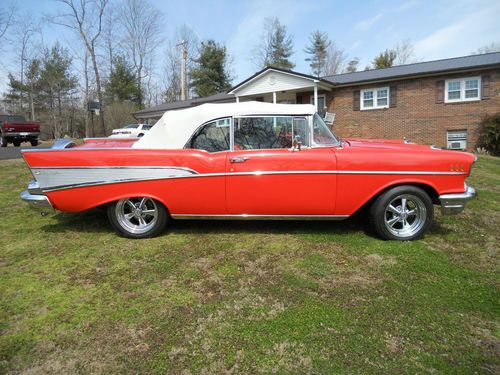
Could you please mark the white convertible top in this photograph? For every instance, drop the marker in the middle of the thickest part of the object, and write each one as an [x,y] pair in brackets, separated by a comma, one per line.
[174,128]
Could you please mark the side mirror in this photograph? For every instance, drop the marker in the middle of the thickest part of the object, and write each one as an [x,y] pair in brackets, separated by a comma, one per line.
[297,143]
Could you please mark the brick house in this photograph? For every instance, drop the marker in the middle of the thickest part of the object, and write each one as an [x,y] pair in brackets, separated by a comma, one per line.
[437,102]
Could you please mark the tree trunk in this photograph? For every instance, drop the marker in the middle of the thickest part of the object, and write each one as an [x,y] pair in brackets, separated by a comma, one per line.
[102,128]
[89,131]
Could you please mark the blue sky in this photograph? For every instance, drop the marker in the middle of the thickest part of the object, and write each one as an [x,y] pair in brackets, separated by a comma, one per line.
[438,29]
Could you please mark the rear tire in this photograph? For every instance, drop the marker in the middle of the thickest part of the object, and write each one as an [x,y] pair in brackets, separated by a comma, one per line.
[140,135]
[139,217]
[16,143]
[403,213]
[34,142]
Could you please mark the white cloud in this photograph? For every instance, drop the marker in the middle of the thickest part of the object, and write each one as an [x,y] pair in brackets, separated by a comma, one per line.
[470,32]
[366,24]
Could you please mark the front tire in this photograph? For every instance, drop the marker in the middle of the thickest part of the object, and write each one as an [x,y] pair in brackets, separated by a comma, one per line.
[402,213]
[16,143]
[139,217]
[34,142]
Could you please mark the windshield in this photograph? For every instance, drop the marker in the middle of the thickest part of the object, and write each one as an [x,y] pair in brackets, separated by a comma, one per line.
[322,135]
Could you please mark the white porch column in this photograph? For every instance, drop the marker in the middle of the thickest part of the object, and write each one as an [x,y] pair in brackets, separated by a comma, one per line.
[274,97]
[237,99]
[316,95]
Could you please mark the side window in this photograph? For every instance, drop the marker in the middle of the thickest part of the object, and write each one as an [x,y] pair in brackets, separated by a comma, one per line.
[146,127]
[252,133]
[212,137]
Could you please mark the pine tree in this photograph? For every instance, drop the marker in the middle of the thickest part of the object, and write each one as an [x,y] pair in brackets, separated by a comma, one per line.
[122,84]
[384,59]
[57,84]
[210,75]
[318,49]
[352,66]
[276,46]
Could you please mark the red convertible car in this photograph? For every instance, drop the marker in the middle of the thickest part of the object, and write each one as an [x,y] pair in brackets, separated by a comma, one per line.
[249,160]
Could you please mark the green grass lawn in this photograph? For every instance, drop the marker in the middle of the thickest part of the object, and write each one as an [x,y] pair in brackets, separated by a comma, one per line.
[248,297]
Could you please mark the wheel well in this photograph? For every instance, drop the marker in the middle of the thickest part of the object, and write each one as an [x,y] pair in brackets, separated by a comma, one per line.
[431,192]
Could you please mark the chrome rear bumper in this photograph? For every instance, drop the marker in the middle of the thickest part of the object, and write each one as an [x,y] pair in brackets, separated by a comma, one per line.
[36,199]
[452,204]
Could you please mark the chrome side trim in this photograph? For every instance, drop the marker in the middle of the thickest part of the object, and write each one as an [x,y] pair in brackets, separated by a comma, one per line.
[62,143]
[50,179]
[77,149]
[452,204]
[34,188]
[430,173]
[38,202]
[258,217]
[59,178]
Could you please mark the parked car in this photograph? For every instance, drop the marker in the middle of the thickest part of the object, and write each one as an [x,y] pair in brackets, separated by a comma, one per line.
[15,129]
[250,161]
[131,131]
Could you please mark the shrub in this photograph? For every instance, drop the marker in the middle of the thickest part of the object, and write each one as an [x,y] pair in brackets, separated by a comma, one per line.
[489,138]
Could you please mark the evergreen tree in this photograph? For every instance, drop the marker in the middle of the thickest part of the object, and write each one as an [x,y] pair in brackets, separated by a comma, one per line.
[57,85]
[210,75]
[352,66]
[384,59]
[122,83]
[318,49]
[278,46]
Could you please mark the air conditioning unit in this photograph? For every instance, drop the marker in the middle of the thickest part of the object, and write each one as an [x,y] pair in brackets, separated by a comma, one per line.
[457,145]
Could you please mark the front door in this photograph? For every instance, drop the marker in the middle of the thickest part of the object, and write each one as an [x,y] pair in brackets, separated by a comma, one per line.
[266,175]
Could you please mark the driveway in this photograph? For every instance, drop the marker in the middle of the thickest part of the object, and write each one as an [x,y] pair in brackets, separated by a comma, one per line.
[12,152]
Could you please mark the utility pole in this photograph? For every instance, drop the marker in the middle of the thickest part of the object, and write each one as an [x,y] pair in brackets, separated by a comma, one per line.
[183,68]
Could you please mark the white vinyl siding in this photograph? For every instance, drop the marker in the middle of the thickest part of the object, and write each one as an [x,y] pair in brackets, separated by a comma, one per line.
[463,90]
[374,98]
[273,81]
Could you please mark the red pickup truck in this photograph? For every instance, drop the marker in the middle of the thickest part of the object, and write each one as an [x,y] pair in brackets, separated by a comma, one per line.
[15,129]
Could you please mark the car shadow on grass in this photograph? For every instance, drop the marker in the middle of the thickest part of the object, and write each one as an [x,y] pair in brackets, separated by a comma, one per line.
[95,221]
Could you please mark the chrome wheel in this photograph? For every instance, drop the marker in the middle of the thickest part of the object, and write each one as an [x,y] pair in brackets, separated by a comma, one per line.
[137,215]
[405,215]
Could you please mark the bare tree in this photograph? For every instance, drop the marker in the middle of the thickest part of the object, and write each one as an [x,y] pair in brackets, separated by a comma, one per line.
[24,30]
[6,19]
[110,30]
[86,18]
[492,47]
[335,60]
[141,23]
[405,53]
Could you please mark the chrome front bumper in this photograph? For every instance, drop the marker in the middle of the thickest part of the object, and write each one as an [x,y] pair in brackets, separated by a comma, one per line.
[452,204]
[36,199]
[21,134]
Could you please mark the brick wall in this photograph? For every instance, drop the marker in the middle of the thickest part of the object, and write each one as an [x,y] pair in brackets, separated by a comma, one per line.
[416,116]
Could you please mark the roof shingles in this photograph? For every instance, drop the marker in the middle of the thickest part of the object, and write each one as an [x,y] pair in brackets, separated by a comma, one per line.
[422,68]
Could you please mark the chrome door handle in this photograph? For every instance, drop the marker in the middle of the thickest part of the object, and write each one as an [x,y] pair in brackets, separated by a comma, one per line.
[238,160]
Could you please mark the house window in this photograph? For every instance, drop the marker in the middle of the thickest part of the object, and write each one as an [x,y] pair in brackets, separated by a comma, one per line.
[456,139]
[375,98]
[463,90]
